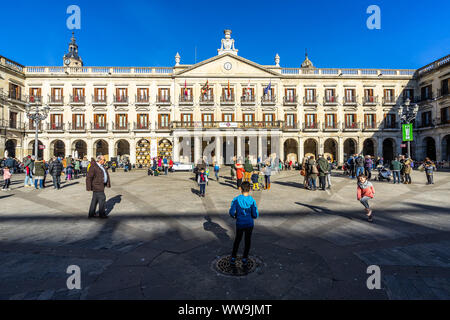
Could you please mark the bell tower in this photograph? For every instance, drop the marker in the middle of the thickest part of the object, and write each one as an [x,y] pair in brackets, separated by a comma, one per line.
[71,58]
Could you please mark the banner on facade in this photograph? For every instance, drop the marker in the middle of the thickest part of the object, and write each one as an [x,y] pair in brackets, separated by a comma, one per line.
[153,148]
[228,125]
[407,131]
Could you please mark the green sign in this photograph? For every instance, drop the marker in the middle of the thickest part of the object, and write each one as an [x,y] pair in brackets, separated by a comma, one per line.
[407,131]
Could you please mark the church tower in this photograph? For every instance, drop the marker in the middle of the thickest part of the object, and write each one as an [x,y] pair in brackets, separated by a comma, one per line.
[71,58]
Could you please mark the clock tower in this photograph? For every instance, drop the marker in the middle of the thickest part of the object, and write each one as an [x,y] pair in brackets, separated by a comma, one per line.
[71,58]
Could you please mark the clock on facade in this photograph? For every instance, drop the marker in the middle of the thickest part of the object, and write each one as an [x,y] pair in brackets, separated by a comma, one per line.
[67,61]
[227,65]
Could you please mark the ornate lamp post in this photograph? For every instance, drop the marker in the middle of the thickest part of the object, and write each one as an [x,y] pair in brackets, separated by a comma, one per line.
[37,115]
[407,115]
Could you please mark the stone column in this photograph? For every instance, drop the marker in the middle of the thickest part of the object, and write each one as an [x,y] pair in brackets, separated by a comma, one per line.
[398,143]
[218,149]
[300,148]
[360,146]
[111,149]
[90,149]
[197,148]
[3,146]
[321,146]
[133,151]
[340,151]
[68,148]
[176,149]
[437,141]
[281,148]
[239,148]
[380,147]
[260,148]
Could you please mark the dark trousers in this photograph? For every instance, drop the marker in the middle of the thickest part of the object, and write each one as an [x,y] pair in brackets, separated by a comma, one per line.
[7,183]
[98,197]
[322,182]
[248,237]
[396,174]
[430,178]
[368,173]
[202,188]
[56,182]
[407,178]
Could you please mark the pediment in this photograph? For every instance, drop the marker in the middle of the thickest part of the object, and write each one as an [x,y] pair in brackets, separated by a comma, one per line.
[216,67]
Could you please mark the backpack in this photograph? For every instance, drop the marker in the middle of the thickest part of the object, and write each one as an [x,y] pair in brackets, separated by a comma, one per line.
[202,177]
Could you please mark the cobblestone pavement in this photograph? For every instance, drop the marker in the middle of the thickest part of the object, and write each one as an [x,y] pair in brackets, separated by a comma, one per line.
[161,238]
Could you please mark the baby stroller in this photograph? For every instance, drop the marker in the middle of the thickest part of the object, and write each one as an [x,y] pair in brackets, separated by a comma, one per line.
[384,174]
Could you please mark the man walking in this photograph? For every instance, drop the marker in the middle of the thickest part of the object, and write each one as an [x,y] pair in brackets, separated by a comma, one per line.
[55,169]
[396,167]
[323,171]
[97,179]
[359,163]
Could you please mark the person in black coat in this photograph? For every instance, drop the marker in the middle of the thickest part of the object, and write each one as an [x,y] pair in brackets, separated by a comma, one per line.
[55,169]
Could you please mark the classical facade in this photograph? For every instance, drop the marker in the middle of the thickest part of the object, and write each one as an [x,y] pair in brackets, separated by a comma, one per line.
[222,107]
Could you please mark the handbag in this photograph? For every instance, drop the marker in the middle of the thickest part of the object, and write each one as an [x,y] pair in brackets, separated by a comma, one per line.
[303,172]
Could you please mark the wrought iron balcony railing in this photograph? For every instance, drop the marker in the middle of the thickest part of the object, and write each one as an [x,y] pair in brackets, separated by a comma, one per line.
[77,99]
[56,100]
[99,100]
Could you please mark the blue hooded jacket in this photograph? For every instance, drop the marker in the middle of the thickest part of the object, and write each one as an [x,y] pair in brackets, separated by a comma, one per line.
[244,210]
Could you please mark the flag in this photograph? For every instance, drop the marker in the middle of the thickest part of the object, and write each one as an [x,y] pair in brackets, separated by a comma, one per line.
[228,90]
[205,88]
[248,88]
[185,88]
[267,89]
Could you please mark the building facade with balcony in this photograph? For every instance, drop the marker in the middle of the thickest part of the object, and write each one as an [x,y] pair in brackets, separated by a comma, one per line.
[432,124]
[224,106]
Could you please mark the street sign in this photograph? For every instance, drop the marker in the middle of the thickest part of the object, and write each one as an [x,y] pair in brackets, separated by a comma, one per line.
[41,147]
[407,132]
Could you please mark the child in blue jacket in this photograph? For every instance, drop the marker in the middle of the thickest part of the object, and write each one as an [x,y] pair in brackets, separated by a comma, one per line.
[243,209]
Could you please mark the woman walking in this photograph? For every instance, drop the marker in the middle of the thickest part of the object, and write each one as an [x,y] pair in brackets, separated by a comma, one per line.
[364,192]
[429,167]
[267,174]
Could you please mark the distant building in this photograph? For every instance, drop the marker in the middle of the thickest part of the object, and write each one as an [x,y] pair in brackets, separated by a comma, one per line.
[225,106]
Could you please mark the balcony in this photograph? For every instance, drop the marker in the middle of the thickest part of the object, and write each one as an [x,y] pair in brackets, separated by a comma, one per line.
[56,100]
[17,97]
[444,122]
[393,126]
[290,100]
[186,100]
[35,100]
[120,127]
[442,93]
[227,125]
[12,125]
[248,100]
[370,126]
[291,126]
[351,126]
[310,101]
[308,127]
[261,125]
[389,101]
[77,127]
[120,100]
[32,128]
[55,127]
[206,100]
[268,100]
[99,127]
[163,100]
[370,100]
[141,127]
[77,100]
[142,100]
[330,127]
[426,125]
[227,100]
[330,101]
[350,100]
[164,126]
[99,100]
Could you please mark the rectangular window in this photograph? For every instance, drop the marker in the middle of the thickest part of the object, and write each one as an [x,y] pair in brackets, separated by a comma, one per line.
[186,118]
[100,121]
[78,121]
[248,117]
[310,95]
[57,94]
[445,115]
[78,94]
[445,87]
[207,118]
[228,117]
[164,121]
[408,94]
[426,119]
[350,95]
[310,121]
[13,119]
[142,120]
[56,121]
[350,120]
[329,95]
[426,92]
[369,120]
[390,121]
[142,94]
[330,120]
[291,120]
[100,94]
[268,117]
[121,121]
[164,94]
[15,91]
[289,95]
[248,94]
[35,94]
[228,95]
[389,95]
[121,94]
[368,96]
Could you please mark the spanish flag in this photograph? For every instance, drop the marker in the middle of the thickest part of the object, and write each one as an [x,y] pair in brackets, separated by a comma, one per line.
[185,89]
[228,90]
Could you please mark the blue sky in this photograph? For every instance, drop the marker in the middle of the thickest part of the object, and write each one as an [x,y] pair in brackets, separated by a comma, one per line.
[149,33]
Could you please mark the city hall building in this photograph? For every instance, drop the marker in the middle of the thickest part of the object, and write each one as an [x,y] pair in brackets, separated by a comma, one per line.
[225,106]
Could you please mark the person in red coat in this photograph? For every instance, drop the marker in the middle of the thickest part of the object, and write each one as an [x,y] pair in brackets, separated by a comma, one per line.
[365,192]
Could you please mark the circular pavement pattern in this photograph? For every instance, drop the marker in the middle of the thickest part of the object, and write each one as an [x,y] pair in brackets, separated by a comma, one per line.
[222,265]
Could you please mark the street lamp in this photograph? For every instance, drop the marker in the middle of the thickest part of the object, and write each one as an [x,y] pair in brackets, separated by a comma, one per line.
[37,115]
[408,114]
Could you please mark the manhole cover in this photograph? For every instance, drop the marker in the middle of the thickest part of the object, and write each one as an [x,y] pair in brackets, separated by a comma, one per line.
[223,266]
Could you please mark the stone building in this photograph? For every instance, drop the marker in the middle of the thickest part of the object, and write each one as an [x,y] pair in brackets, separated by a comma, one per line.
[222,107]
